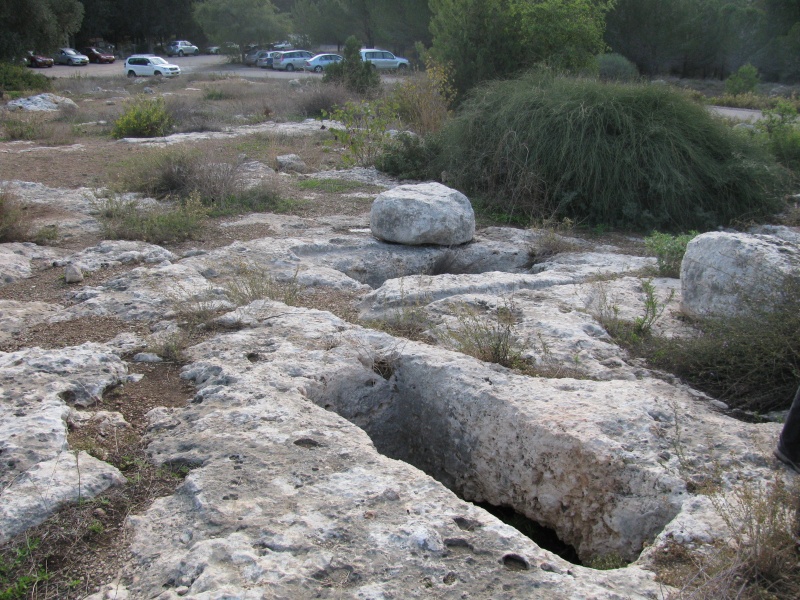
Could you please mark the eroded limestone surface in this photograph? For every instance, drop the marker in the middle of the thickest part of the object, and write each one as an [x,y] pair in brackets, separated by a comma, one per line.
[332,460]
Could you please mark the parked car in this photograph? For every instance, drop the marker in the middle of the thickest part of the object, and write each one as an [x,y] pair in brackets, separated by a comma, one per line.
[252,58]
[226,48]
[383,60]
[321,62]
[38,61]
[282,46]
[147,65]
[96,55]
[181,48]
[291,60]
[265,62]
[70,56]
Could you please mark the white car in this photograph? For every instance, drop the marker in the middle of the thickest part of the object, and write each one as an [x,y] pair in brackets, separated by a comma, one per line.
[383,60]
[291,60]
[147,65]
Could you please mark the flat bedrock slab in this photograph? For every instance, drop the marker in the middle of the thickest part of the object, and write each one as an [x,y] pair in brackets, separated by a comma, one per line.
[425,213]
[47,486]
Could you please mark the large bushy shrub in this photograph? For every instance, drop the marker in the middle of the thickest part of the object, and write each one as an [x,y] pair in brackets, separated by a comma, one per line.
[632,156]
[615,67]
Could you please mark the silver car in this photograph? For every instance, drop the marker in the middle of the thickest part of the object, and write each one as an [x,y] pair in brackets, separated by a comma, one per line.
[384,60]
[70,56]
[181,48]
[291,60]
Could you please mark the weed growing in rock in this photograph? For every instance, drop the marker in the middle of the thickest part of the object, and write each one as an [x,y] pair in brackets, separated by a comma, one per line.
[251,283]
[489,337]
[143,117]
[631,333]
[669,250]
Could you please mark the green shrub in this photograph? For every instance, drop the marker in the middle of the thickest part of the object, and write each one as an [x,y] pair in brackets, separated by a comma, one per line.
[405,156]
[615,67]
[365,129]
[129,221]
[143,117]
[356,75]
[783,129]
[743,81]
[669,250]
[630,156]
[19,78]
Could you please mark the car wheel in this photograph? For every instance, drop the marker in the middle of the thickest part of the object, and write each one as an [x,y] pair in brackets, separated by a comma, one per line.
[180,52]
[131,74]
[402,68]
[157,74]
[290,67]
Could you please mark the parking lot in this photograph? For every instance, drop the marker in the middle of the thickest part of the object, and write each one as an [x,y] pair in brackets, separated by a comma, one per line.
[189,64]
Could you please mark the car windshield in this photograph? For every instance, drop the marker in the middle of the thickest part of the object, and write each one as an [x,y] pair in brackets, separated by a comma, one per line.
[70,52]
[156,60]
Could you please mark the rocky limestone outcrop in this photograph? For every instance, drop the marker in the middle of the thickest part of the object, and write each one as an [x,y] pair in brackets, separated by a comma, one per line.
[424,213]
[725,273]
[329,459]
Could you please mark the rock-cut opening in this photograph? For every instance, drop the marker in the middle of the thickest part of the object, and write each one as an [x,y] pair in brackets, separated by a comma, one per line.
[486,445]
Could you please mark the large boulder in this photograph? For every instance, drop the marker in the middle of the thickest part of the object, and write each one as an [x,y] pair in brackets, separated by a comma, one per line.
[425,213]
[729,273]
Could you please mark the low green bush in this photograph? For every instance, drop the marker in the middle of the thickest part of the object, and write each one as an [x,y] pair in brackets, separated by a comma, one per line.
[640,157]
[615,67]
[669,250]
[19,78]
[743,81]
[365,129]
[405,156]
[143,117]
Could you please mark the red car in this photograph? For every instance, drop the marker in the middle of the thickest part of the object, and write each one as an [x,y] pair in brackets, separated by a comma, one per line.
[98,56]
[38,60]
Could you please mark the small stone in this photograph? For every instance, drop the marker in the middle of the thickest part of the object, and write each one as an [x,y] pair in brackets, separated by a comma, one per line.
[73,274]
[147,357]
[182,591]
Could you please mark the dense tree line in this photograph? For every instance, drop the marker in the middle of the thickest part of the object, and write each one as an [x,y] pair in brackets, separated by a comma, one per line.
[485,39]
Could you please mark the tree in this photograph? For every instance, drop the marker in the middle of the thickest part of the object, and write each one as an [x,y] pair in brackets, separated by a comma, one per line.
[241,21]
[490,39]
[475,38]
[37,25]
[563,33]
